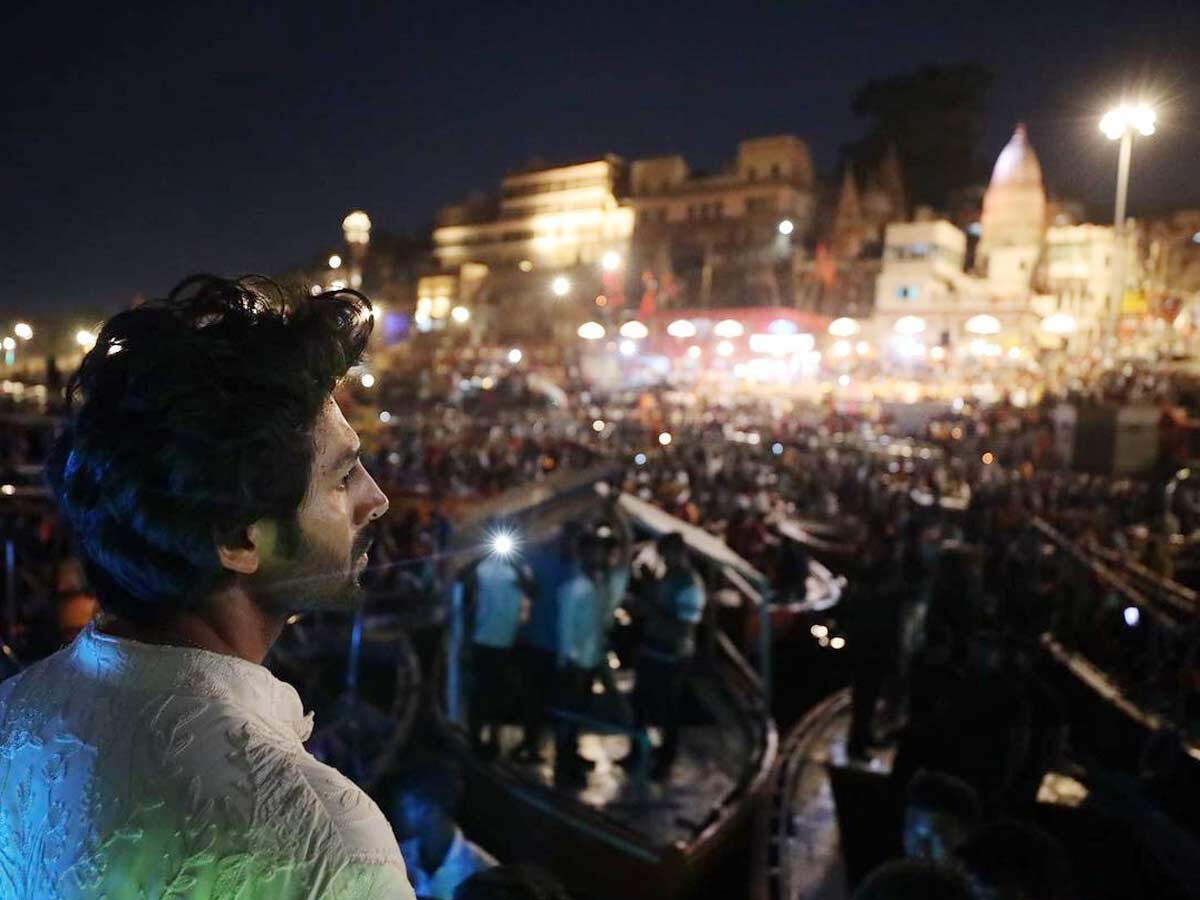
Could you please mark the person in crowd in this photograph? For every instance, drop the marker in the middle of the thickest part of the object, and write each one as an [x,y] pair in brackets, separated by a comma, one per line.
[215,490]
[914,879]
[1014,860]
[501,585]
[940,813]
[552,564]
[579,654]
[675,609]
[421,798]
[517,882]
[873,626]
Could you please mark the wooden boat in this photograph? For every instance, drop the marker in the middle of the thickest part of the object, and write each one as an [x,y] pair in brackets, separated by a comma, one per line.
[616,837]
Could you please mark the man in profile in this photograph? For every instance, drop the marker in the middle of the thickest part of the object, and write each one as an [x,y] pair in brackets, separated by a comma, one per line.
[215,489]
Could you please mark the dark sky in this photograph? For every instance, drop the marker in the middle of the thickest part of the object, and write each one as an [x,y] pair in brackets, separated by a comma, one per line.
[144,142]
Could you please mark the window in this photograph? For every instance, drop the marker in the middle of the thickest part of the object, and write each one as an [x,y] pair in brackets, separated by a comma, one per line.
[908,291]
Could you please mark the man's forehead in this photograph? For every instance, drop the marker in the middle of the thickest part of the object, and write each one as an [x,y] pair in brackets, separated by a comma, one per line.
[334,436]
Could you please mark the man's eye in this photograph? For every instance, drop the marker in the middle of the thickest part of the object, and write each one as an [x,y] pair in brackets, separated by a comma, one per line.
[346,478]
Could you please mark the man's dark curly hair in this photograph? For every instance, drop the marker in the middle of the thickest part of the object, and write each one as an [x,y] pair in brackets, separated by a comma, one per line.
[191,418]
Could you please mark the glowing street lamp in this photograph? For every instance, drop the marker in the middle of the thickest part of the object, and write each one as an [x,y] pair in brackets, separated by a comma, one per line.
[461,315]
[729,328]
[786,227]
[983,324]
[335,261]
[1119,124]
[561,286]
[23,331]
[843,328]
[681,328]
[85,339]
[610,261]
[9,343]
[909,325]
[591,331]
[515,356]
[1059,323]
[634,330]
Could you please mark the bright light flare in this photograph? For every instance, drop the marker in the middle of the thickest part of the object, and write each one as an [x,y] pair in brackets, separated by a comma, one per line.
[561,286]
[693,352]
[503,544]
[85,339]
[23,331]
[9,343]
[461,315]
[725,348]
[1128,117]
[842,348]
[367,380]
[610,261]
[335,261]
[515,356]
[786,227]
[1132,616]
[665,438]
[598,426]
[640,459]
[627,348]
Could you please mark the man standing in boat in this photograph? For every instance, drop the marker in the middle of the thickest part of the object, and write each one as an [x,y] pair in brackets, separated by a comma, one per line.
[676,606]
[215,490]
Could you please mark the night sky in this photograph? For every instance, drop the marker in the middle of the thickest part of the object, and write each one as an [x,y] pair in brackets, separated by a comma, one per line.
[144,142]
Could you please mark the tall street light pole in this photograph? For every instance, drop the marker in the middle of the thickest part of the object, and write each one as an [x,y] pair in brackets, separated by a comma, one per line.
[1120,124]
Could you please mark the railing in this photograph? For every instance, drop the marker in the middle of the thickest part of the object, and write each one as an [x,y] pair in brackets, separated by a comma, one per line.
[1130,633]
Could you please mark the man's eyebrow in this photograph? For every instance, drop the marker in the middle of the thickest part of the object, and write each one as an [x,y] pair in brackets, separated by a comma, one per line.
[348,457]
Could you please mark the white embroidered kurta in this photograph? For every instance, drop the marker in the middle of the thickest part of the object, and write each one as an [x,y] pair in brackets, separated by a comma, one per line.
[129,770]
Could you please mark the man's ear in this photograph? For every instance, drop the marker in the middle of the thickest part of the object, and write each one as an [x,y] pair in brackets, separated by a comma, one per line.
[241,551]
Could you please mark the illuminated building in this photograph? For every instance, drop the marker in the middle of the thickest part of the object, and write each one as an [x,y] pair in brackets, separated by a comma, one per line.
[1077,268]
[726,239]
[555,238]
[553,217]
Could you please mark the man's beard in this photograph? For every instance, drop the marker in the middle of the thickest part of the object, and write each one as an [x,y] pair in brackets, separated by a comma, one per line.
[306,577]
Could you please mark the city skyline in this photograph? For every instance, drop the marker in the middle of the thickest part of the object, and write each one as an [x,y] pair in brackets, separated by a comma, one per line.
[167,142]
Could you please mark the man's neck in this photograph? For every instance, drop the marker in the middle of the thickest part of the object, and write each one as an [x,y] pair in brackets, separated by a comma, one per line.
[229,623]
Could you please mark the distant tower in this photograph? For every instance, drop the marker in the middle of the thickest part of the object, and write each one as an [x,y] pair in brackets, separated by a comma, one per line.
[1014,210]
[847,235]
[883,200]
[891,182]
[356,228]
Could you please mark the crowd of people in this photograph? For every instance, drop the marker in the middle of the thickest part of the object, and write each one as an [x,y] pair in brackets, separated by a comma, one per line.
[948,591]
